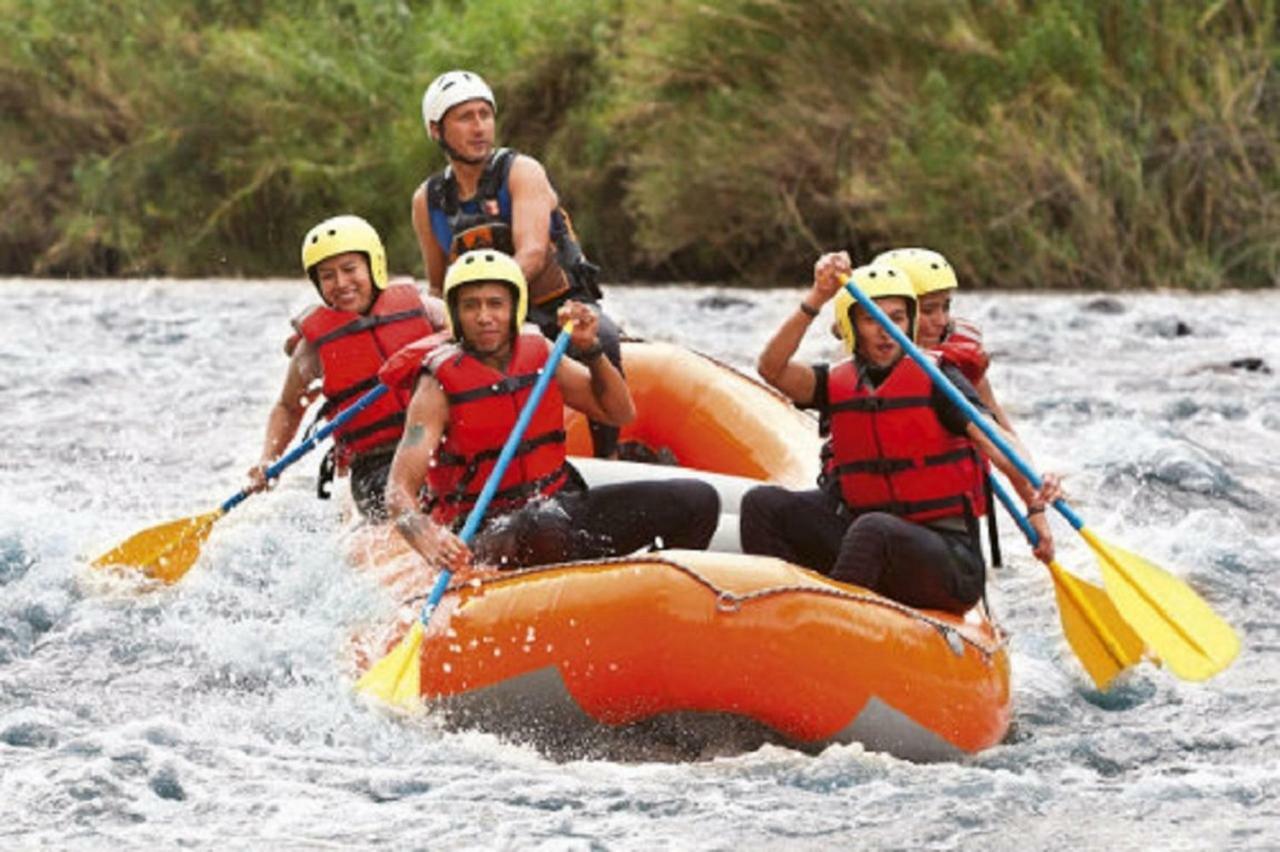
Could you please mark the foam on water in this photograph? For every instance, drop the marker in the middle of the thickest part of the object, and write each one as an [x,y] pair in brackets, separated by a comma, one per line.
[221,709]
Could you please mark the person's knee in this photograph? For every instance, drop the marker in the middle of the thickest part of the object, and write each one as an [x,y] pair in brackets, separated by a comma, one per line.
[758,522]
[875,525]
[864,553]
[759,503]
[535,535]
[704,504]
[696,509]
[968,575]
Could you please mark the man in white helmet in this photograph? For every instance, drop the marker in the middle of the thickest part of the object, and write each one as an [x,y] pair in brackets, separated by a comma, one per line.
[491,197]
[467,396]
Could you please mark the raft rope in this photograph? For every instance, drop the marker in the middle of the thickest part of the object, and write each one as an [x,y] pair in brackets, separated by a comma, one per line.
[730,602]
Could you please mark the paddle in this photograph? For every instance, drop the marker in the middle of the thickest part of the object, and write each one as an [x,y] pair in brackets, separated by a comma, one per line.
[396,678]
[167,551]
[1171,618]
[1103,642]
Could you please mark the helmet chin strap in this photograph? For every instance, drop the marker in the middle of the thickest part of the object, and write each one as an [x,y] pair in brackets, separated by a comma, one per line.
[454,155]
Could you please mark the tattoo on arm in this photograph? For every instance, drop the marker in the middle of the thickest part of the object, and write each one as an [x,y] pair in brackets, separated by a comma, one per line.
[413,435]
[412,524]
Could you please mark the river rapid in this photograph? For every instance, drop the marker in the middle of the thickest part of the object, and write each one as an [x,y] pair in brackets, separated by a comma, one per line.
[220,711]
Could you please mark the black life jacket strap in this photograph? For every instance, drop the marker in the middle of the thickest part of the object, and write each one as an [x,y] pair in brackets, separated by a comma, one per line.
[509,385]
[365,323]
[324,480]
[524,489]
[993,533]
[494,176]
[447,459]
[358,389]
[888,466]
[442,188]
[387,422]
[872,404]
[911,507]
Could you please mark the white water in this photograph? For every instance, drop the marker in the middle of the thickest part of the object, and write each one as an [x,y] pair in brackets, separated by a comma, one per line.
[221,711]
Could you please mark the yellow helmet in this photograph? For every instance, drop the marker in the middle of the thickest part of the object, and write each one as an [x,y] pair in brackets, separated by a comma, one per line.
[928,270]
[878,280]
[484,266]
[343,234]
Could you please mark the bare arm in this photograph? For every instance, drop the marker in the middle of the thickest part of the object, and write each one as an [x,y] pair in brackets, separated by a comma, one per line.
[1035,500]
[425,421]
[532,201]
[988,397]
[433,259]
[776,364]
[287,412]
[598,390]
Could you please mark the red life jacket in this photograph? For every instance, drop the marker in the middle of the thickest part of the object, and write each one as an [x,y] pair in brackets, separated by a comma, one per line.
[402,369]
[352,349]
[483,407]
[890,453]
[963,347]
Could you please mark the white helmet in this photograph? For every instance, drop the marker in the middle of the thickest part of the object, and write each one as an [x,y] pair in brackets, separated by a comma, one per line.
[450,89]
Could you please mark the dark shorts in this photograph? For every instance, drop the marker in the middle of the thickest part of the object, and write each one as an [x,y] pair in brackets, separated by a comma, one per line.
[611,520]
[912,563]
[369,484]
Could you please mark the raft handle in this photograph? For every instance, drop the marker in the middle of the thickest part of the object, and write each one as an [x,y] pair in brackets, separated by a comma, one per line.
[727,601]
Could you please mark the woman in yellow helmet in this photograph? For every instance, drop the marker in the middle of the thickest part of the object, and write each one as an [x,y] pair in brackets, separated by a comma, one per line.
[362,321]
[896,505]
[956,341]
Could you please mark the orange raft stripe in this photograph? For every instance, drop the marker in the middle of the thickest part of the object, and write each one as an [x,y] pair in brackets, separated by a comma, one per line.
[712,417]
[637,638]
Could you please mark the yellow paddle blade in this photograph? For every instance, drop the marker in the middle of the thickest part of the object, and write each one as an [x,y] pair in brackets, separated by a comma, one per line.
[396,679]
[164,552]
[1103,642]
[1188,636]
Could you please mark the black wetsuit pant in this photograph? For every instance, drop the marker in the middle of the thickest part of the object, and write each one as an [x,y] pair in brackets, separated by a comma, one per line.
[915,564]
[369,484]
[611,520]
[604,438]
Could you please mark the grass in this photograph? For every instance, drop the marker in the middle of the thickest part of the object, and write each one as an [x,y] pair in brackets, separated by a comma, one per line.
[1107,144]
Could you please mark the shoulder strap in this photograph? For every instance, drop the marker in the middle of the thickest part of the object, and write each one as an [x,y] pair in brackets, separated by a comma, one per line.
[495,174]
[442,191]
[365,323]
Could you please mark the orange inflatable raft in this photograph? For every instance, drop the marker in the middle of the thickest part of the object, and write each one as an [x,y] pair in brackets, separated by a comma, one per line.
[689,646]
[702,414]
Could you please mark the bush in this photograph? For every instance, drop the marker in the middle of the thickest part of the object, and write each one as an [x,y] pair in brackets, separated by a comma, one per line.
[1051,144]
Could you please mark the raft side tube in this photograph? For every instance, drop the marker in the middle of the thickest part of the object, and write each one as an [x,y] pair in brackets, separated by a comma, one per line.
[814,660]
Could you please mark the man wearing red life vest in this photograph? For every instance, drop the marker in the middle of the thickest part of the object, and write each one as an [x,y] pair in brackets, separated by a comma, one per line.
[467,396]
[896,506]
[498,198]
[344,342]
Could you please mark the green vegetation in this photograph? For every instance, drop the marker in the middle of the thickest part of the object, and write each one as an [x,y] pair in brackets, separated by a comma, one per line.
[1064,143]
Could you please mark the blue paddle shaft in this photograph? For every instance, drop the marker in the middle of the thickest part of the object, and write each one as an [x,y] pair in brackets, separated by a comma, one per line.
[499,468]
[1006,499]
[308,445]
[970,410]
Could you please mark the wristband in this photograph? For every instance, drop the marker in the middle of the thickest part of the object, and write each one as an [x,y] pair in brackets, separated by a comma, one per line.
[809,310]
[1035,510]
